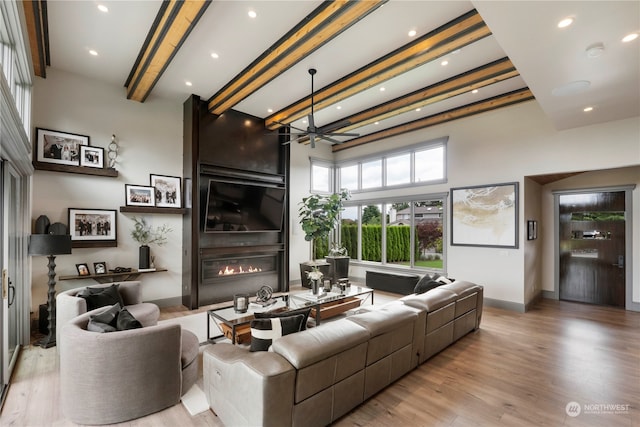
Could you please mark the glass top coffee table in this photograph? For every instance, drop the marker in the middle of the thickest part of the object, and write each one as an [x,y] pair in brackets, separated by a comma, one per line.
[235,326]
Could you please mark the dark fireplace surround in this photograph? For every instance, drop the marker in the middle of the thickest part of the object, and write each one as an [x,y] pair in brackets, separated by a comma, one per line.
[232,148]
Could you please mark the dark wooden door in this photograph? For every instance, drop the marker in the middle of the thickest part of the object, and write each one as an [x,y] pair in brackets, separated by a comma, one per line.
[592,248]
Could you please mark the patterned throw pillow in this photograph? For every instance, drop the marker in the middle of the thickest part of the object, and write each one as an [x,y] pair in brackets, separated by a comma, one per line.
[265,331]
[269,314]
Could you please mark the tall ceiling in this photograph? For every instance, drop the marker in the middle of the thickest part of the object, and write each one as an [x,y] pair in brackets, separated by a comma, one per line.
[372,77]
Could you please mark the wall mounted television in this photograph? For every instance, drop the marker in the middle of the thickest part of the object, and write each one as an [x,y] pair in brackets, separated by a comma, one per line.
[238,206]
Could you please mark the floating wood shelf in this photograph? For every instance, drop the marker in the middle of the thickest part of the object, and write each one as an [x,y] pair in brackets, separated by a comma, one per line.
[152,210]
[112,277]
[109,172]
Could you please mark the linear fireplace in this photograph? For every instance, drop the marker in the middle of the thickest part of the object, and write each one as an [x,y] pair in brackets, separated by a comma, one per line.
[235,231]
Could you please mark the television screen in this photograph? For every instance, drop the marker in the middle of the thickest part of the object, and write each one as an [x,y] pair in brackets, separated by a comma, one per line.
[243,207]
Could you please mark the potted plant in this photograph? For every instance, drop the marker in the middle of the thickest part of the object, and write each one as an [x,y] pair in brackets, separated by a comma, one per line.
[145,235]
[319,216]
[338,260]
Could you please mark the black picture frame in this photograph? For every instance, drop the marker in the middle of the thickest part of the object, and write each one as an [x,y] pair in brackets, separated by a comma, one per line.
[83,269]
[168,190]
[92,228]
[61,148]
[532,230]
[485,215]
[139,195]
[92,157]
[100,267]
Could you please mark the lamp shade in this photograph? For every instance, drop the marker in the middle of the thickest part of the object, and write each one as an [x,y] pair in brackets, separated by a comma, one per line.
[49,244]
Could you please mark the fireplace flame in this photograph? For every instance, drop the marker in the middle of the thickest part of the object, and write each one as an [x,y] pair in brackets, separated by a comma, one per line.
[240,270]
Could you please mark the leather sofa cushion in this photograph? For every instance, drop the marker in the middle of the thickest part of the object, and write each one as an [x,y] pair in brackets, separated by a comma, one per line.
[462,288]
[308,347]
[432,300]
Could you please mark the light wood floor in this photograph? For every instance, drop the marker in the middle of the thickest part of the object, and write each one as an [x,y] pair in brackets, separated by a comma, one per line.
[517,370]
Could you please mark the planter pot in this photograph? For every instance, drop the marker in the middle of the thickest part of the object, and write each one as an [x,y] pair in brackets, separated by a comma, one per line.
[339,267]
[144,256]
[323,266]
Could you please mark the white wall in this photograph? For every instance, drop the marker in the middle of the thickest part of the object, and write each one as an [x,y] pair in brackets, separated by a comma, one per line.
[150,139]
[499,146]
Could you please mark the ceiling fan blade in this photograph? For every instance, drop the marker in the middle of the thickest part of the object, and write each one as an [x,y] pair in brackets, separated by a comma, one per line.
[338,134]
[330,140]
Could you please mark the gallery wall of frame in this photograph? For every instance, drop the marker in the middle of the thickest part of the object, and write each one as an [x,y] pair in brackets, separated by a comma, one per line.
[69,152]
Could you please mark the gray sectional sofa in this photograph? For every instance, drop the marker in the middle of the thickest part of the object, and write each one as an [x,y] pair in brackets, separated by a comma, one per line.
[314,377]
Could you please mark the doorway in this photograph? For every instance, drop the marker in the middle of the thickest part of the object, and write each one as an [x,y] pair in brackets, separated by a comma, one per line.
[592,247]
[12,294]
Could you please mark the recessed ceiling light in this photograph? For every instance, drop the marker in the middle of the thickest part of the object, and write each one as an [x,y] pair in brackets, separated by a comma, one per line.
[382,89]
[304,121]
[103,8]
[376,123]
[418,109]
[252,14]
[445,62]
[474,91]
[587,109]
[571,88]
[269,110]
[188,83]
[215,55]
[339,107]
[565,22]
[93,52]
[412,33]
[630,37]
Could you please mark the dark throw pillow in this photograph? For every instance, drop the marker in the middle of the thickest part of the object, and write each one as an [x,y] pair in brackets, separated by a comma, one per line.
[426,284]
[265,331]
[105,321]
[127,321]
[269,315]
[100,297]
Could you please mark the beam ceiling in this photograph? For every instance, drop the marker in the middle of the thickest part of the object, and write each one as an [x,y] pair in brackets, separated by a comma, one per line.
[172,26]
[453,35]
[322,25]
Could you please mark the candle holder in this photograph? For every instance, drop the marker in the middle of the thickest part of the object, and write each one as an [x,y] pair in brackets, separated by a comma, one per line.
[240,303]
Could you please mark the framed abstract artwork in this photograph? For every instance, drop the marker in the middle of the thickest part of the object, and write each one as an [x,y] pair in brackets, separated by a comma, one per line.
[485,215]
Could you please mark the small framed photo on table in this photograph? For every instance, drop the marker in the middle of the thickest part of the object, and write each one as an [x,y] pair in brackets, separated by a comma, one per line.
[100,267]
[83,269]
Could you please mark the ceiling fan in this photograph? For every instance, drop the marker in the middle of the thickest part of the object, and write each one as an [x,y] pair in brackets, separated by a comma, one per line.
[314,132]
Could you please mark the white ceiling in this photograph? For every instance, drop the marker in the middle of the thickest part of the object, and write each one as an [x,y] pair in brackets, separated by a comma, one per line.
[525,31]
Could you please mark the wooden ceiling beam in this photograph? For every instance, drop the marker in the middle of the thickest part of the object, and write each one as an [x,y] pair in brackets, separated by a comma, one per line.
[496,102]
[486,75]
[172,26]
[454,35]
[323,24]
[35,13]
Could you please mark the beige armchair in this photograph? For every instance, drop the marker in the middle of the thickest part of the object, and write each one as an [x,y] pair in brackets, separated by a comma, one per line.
[69,305]
[112,377]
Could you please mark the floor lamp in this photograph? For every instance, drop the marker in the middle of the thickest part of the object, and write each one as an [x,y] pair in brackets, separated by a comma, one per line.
[50,245]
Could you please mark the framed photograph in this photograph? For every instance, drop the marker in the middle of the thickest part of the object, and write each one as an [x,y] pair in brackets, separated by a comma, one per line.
[139,195]
[485,215]
[62,148]
[92,227]
[532,230]
[167,191]
[83,269]
[92,157]
[100,267]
